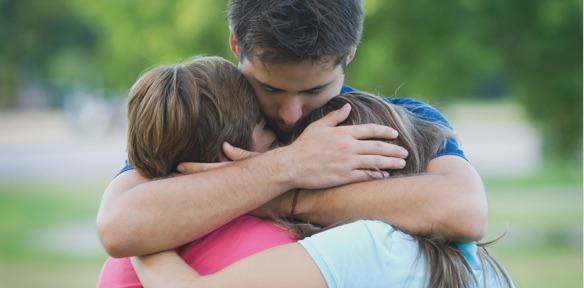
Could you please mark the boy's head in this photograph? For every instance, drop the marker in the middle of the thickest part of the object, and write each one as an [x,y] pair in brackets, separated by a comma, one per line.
[294,52]
[184,112]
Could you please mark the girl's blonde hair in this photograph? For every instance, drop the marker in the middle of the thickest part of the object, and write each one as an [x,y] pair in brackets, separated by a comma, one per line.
[446,264]
[184,112]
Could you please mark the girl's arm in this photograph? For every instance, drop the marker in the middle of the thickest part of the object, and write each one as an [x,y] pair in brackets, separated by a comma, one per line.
[283,266]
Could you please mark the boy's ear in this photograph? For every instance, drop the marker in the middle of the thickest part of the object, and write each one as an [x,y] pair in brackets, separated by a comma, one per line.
[233,44]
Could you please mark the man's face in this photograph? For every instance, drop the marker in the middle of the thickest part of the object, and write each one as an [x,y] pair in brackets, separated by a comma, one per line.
[287,93]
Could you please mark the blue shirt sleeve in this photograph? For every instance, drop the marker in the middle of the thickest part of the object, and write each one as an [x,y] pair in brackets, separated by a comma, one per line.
[426,112]
[127,167]
[429,113]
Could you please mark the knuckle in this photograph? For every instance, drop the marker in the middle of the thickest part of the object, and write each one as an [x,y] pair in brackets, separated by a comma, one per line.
[343,146]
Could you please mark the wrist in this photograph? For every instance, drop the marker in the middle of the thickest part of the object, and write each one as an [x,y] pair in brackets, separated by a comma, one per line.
[276,165]
[304,204]
[291,214]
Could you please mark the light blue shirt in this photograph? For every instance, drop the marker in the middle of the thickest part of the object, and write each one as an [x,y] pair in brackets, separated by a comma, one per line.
[370,253]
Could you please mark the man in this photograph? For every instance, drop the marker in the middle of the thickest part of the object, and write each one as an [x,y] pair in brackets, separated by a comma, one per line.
[294,54]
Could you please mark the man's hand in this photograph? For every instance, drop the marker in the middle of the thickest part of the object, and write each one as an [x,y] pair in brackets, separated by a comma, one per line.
[325,155]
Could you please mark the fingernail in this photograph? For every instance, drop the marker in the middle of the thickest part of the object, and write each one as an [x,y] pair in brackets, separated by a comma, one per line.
[394,133]
[180,168]
[402,163]
[404,153]
[228,146]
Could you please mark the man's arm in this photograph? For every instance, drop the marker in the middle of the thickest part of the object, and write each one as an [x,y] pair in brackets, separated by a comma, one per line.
[448,200]
[138,216]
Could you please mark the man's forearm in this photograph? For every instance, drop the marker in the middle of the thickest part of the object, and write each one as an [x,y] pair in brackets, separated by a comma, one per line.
[162,214]
[449,200]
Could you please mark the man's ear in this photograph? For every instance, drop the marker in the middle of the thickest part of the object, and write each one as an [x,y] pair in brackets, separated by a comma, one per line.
[351,54]
[233,44]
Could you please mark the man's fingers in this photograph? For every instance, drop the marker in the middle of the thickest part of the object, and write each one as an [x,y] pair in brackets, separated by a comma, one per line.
[334,118]
[235,153]
[381,148]
[374,162]
[192,167]
[371,131]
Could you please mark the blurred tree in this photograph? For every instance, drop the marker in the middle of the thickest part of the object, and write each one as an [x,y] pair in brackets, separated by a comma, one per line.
[33,34]
[430,51]
[135,35]
[540,43]
[101,43]
[530,50]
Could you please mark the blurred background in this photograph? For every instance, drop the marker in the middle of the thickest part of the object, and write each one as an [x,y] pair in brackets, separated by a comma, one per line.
[507,74]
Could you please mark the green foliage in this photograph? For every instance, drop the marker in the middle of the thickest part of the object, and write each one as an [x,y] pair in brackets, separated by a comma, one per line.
[541,48]
[135,35]
[432,50]
[531,50]
[33,34]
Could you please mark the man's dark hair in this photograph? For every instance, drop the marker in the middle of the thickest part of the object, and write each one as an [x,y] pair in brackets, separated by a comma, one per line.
[288,31]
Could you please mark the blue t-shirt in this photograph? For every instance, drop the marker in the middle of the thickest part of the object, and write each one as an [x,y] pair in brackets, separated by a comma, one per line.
[418,108]
[371,253]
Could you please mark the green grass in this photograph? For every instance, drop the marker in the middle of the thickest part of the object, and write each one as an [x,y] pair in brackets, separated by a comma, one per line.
[28,257]
[26,209]
[542,246]
[542,266]
[542,218]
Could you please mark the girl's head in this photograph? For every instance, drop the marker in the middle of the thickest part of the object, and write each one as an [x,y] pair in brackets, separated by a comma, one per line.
[421,138]
[184,112]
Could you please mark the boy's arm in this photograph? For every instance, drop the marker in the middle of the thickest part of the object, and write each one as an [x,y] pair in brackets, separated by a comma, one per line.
[448,200]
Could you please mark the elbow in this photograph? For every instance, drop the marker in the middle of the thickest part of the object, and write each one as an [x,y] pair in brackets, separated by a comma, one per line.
[471,223]
[114,240]
[472,228]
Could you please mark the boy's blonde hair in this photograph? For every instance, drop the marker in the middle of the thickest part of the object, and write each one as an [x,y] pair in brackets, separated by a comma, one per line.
[184,112]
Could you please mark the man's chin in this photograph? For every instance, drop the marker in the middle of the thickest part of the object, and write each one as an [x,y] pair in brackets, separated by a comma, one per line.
[283,133]
[283,137]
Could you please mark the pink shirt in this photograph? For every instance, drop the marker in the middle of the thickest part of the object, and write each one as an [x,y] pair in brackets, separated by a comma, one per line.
[235,240]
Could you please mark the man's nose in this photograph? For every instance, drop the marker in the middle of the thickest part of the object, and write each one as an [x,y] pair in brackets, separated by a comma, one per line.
[291,111]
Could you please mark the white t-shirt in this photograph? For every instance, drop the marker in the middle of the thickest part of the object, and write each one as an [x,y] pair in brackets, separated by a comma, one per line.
[369,253]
